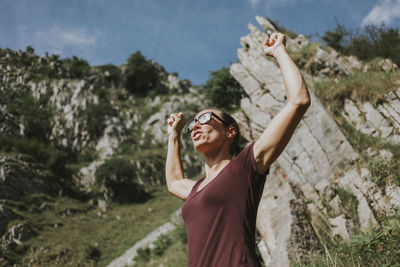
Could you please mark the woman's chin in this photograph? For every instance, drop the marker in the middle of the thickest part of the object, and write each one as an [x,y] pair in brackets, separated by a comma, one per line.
[199,146]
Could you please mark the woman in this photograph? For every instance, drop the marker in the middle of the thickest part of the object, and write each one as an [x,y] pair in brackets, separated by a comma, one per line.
[220,209]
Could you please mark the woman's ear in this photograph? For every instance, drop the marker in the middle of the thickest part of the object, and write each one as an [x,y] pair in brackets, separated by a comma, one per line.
[231,133]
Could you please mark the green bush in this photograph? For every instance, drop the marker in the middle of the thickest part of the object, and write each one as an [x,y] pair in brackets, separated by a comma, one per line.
[164,248]
[116,175]
[35,118]
[142,76]
[18,144]
[77,68]
[114,74]
[366,43]
[223,90]
[95,117]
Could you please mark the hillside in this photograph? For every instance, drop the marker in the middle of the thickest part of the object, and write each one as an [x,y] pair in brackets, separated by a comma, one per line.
[72,134]
[83,151]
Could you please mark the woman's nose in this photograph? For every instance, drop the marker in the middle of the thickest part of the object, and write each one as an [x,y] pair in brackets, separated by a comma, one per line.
[196,125]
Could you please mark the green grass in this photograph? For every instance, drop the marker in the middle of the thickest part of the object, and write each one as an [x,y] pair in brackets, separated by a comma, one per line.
[169,250]
[361,86]
[349,203]
[383,171]
[80,234]
[369,86]
[379,247]
[304,57]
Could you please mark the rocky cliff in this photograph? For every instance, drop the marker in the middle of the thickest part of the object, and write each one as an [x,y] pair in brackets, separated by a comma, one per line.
[319,162]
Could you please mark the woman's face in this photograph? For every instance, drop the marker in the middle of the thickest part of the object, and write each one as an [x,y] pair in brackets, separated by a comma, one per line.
[209,135]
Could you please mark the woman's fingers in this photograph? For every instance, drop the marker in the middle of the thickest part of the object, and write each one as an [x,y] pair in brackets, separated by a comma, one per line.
[274,38]
[273,42]
[175,118]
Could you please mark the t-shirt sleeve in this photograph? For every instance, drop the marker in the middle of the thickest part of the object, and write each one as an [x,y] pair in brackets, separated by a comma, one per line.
[247,160]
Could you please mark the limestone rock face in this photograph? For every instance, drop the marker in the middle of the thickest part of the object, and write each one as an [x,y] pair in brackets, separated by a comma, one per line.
[76,104]
[321,63]
[382,121]
[305,172]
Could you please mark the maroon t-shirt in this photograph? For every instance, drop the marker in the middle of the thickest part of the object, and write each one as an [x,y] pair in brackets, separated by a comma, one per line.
[220,218]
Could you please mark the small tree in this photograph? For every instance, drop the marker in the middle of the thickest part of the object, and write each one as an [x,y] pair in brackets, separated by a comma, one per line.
[77,68]
[223,90]
[29,49]
[337,38]
[141,75]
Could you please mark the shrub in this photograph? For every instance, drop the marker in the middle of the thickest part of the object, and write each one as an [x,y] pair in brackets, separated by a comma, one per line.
[35,118]
[366,43]
[116,175]
[29,49]
[112,74]
[15,144]
[223,90]
[142,76]
[95,115]
[77,68]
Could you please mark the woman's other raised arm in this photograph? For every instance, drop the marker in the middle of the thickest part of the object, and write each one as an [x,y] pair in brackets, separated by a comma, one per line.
[176,183]
[281,128]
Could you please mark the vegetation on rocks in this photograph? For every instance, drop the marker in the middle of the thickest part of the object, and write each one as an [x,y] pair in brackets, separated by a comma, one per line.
[367,42]
[371,86]
[117,178]
[223,90]
[368,86]
[142,76]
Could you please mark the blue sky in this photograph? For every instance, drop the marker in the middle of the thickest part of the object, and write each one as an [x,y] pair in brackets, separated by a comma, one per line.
[185,36]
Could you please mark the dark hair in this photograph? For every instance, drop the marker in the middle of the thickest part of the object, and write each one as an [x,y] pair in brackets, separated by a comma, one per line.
[230,121]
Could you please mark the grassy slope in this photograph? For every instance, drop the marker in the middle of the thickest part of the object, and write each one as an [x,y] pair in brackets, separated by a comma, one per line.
[79,234]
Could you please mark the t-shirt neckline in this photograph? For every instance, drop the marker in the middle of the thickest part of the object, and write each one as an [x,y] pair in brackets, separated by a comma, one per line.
[202,179]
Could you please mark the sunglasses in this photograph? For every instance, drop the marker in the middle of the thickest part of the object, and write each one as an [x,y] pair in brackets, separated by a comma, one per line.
[202,119]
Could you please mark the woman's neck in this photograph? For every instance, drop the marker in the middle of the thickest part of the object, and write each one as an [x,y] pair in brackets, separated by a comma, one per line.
[214,163]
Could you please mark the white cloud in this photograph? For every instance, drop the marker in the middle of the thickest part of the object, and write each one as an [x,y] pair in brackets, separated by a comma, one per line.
[386,12]
[270,4]
[57,38]
[254,2]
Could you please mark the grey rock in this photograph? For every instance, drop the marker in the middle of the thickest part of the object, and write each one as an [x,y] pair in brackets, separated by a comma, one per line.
[306,171]
[339,227]
[387,65]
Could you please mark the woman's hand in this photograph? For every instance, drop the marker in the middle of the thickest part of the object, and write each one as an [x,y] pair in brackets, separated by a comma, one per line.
[176,122]
[274,43]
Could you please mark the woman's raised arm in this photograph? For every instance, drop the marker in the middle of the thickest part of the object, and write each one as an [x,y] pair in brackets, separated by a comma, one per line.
[176,183]
[281,128]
